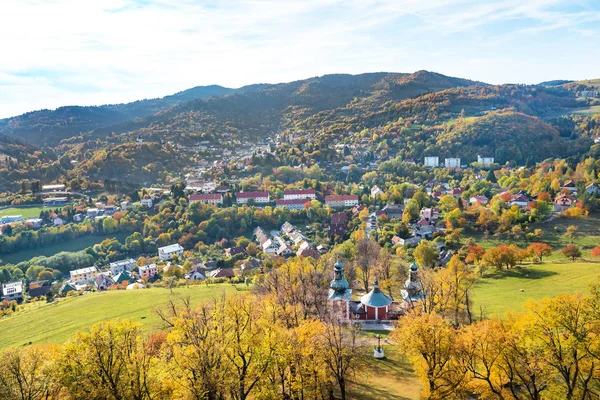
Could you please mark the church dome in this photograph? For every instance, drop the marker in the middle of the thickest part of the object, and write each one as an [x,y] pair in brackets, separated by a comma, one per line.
[339,284]
[376,298]
[414,267]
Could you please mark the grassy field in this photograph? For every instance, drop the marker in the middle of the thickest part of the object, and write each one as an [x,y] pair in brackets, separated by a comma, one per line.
[26,212]
[588,111]
[71,245]
[499,292]
[59,321]
[390,378]
[588,235]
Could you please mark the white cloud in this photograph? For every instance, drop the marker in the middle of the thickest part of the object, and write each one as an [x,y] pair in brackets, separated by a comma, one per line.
[59,52]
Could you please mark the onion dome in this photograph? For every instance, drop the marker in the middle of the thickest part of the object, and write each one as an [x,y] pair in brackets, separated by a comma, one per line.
[339,284]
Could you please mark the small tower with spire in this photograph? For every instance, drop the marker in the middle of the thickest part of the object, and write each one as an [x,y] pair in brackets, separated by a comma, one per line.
[339,290]
[413,289]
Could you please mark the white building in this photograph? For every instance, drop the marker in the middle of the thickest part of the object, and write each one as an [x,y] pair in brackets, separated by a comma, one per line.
[84,275]
[292,204]
[270,247]
[375,191]
[9,219]
[341,201]
[213,198]
[53,188]
[12,290]
[146,203]
[258,197]
[299,194]
[432,162]
[167,252]
[486,161]
[452,162]
[119,266]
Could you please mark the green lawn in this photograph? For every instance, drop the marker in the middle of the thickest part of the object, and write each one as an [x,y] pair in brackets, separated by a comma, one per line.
[588,235]
[588,111]
[26,212]
[390,378]
[499,292]
[71,245]
[59,321]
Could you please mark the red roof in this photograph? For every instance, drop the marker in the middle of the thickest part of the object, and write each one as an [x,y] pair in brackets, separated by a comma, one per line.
[200,197]
[283,202]
[249,195]
[341,198]
[299,191]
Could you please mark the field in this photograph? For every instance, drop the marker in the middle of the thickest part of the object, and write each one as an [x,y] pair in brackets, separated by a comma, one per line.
[588,235]
[26,212]
[59,321]
[71,245]
[588,111]
[499,292]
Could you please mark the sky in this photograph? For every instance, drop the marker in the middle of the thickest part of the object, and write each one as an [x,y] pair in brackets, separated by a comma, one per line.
[92,52]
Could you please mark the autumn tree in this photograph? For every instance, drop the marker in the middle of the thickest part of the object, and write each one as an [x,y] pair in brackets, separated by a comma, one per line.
[571,251]
[571,233]
[367,253]
[539,250]
[425,254]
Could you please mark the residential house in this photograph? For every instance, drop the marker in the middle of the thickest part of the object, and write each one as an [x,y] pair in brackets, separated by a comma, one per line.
[257,197]
[375,191]
[146,203]
[124,276]
[393,211]
[211,198]
[167,252]
[306,250]
[39,288]
[35,223]
[78,217]
[196,274]
[452,162]
[357,209]
[424,229]
[570,186]
[103,282]
[300,194]
[119,266]
[222,273]
[563,202]
[58,221]
[338,225]
[431,162]
[109,211]
[269,246]
[411,241]
[341,201]
[92,212]
[12,291]
[430,214]
[456,192]
[234,251]
[148,271]
[520,200]
[292,204]
[592,189]
[287,228]
[250,264]
[483,200]
[83,276]
[67,287]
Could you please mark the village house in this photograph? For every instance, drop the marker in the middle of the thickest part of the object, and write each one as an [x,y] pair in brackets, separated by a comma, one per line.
[392,211]
[222,273]
[35,223]
[269,246]
[292,204]
[570,186]
[338,225]
[341,201]
[375,191]
[148,271]
[146,203]
[103,282]
[167,252]
[424,229]
[257,197]
[287,228]
[299,194]
[456,192]
[196,274]
[39,288]
[592,189]
[92,212]
[430,214]
[109,211]
[119,266]
[563,202]
[234,251]
[83,276]
[520,200]
[306,250]
[53,188]
[12,291]
[483,200]
[211,198]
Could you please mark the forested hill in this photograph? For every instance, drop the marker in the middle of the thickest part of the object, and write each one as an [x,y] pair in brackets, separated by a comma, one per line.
[51,126]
